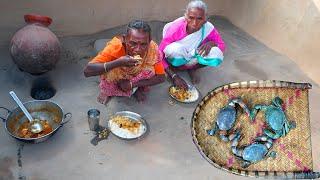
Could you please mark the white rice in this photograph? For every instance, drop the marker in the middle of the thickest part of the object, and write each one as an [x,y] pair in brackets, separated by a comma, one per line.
[124,133]
[194,95]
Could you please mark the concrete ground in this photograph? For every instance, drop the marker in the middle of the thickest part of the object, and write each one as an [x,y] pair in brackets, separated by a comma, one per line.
[167,152]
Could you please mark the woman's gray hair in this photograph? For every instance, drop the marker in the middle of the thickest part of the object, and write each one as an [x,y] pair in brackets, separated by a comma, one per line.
[197,4]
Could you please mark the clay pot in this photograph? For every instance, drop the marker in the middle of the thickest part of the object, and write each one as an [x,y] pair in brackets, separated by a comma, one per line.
[34,48]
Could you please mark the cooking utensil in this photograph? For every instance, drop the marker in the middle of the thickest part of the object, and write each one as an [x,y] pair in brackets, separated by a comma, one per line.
[35,125]
[39,109]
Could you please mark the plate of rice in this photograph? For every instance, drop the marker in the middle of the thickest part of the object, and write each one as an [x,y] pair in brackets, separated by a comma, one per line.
[127,125]
[185,96]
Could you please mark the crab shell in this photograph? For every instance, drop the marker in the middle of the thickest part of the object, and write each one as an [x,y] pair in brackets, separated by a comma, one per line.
[254,152]
[226,118]
[275,118]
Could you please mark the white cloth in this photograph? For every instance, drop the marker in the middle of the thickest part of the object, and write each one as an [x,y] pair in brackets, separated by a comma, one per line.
[186,47]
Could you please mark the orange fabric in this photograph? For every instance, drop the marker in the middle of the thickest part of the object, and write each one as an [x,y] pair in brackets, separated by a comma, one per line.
[113,50]
[159,69]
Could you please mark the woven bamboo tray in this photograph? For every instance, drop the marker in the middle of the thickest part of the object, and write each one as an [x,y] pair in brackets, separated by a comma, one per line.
[294,156]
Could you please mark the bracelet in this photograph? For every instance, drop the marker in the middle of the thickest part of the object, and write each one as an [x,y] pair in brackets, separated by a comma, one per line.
[174,75]
[105,67]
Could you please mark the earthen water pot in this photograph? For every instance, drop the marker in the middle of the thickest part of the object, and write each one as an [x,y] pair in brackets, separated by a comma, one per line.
[34,48]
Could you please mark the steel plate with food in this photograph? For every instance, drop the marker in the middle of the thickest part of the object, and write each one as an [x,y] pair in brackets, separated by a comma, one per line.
[127,125]
[186,96]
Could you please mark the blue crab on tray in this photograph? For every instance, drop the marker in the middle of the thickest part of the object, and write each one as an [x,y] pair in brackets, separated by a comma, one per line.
[291,142]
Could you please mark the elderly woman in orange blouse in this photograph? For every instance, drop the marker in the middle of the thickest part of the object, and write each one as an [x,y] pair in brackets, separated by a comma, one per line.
[128,64]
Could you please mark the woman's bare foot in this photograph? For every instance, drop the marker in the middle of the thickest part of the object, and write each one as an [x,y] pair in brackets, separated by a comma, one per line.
[194,76]
[140,95]
[103,99]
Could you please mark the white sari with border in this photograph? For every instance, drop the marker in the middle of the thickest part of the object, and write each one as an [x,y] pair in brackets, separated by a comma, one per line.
[184,51]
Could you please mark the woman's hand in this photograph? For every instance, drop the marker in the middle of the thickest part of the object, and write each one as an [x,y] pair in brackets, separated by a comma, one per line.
[125,85]
[179,82]
[205,48]
[127,61]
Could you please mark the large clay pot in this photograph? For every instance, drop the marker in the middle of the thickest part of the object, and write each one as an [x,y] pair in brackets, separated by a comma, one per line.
[34,48]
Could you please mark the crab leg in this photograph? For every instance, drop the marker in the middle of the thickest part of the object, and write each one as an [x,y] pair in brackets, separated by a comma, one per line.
[255,111]
[273,135]
[212,132]
[223,136]
[237,152]
[268,142]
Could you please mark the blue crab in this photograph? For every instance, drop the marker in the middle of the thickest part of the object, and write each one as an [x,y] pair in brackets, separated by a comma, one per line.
[226,119]
[254,152]
[278,125]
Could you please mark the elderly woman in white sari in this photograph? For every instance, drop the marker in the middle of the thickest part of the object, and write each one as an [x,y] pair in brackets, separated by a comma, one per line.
[189,43]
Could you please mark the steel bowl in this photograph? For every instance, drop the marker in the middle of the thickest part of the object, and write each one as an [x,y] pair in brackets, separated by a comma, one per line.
[39,109]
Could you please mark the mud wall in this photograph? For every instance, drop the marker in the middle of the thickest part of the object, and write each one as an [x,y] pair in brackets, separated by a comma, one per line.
[291,27]
[79,17]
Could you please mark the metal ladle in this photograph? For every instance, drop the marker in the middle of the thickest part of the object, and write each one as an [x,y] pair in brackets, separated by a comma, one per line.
[35,125]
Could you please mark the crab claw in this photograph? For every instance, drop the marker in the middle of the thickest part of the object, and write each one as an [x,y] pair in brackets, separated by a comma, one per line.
[272,154]
[235,134]
[240,102]
[245,164]
[277,101]
[211,132]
